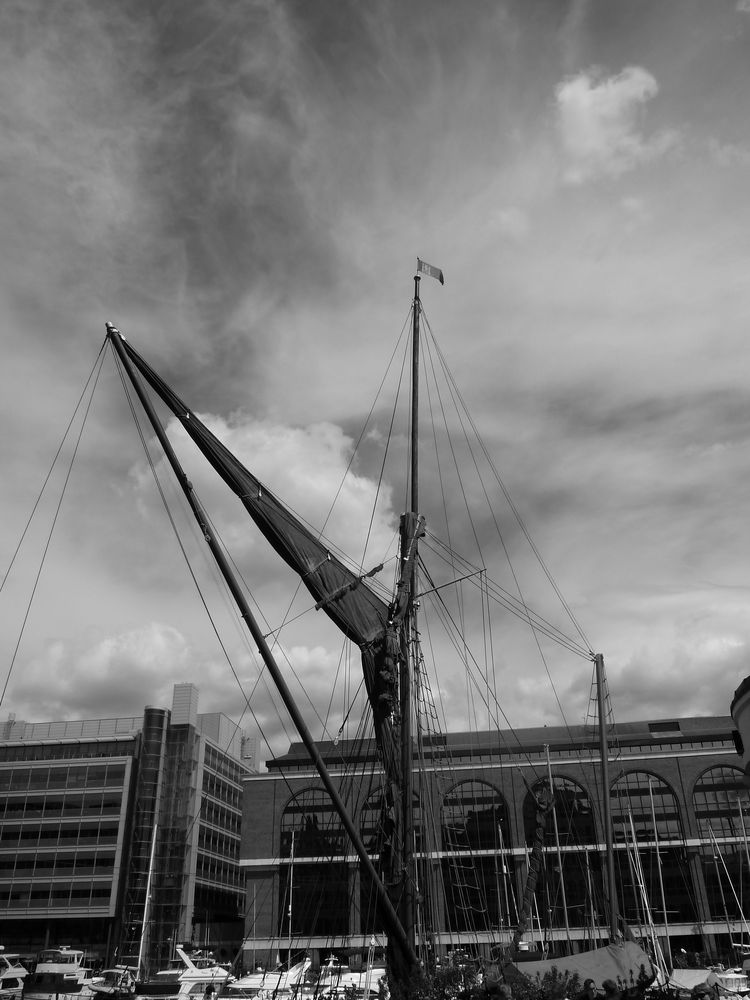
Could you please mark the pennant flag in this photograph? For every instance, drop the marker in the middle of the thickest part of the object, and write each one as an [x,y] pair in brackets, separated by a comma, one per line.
[434,272]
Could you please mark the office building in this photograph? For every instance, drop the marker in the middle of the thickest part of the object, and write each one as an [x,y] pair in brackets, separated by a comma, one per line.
[99,814]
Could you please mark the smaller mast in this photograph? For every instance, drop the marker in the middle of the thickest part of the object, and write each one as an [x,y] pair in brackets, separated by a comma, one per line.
[557,846]
[661,875]
[614,933]
[147,904]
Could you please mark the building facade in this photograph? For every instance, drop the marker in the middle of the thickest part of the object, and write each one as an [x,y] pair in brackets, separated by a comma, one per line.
[678,806]
[122,834]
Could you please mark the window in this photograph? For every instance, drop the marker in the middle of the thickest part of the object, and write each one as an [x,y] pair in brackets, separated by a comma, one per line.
[311,822]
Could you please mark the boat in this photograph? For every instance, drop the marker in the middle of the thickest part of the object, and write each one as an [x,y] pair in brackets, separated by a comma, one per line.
[59,972]
[336,980]
[117,983]
[281,980]
[382,619]
[714,981]
[190,974]
[12,975]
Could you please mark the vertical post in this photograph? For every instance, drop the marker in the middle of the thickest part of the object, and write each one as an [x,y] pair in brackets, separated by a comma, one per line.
[147,905]
[557,846]
[291,891]
[721,888]
[661,877]
[606,805]
[505,870]
[590,893]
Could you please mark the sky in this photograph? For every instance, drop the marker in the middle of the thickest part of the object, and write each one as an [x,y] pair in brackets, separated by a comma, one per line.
[243,189]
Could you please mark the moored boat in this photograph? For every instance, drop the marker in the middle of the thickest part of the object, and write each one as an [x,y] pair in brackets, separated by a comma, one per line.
[12,976]
[281,981]
[336,979]
[117,983]
[59,972]
[190,974]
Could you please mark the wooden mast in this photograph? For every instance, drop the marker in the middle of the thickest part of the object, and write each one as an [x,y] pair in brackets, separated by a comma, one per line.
[410,535]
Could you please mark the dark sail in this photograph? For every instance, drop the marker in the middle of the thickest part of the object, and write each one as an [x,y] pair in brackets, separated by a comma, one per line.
[356,610]
[360,614]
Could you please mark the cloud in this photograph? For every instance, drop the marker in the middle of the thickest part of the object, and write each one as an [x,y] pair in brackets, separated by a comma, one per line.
[511,222]
[598,121]
[729,154]
[127,670]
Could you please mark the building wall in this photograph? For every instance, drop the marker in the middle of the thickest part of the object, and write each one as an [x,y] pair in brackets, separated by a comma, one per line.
[648,760]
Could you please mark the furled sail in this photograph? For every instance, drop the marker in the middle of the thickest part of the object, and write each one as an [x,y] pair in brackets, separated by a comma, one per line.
[360,614]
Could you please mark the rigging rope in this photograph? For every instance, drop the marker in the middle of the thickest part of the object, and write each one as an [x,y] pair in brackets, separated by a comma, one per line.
[97,367]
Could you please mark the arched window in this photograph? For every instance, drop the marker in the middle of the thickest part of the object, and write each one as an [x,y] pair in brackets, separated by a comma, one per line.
[718,797]
[377,818]
[377,829]
[477,868]
[569,882]
[310,821]
[313,898]
[644,798]
[644,805]
[474,817]
[573,814]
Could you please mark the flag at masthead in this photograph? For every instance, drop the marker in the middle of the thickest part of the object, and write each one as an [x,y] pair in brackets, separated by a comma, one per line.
[434,272]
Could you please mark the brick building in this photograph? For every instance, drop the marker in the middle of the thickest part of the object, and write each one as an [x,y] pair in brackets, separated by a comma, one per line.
[678,813]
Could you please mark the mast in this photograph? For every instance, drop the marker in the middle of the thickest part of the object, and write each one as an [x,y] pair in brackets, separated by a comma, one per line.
[147,904]
[404,949]
[606,805]
[661,876]
[557,846]
[409,634]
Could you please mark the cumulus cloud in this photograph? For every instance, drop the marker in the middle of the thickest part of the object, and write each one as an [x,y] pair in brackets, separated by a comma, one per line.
[127,670]
[600,127]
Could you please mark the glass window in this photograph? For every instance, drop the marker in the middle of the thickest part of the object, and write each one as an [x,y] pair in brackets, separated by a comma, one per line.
[644,797]
[311,822]
[474,817]
[19,781]
[573,814]
[716,801]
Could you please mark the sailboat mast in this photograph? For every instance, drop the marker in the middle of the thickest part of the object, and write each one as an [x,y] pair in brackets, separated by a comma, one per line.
[390,917]
[606,805]
[405,669]
[147,904]
[660,873]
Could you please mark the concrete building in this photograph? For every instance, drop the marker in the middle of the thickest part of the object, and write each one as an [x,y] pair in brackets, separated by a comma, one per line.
[678,814]
[93,813]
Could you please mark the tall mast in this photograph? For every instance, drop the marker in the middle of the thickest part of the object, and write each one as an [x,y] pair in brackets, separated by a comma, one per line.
[606,805]
[391,920]
[409,633]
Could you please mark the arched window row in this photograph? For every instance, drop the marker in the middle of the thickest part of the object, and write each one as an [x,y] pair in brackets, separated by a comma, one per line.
[475,816]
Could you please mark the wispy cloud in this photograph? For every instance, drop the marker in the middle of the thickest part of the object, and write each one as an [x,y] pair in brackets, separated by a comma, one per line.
[599,118]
